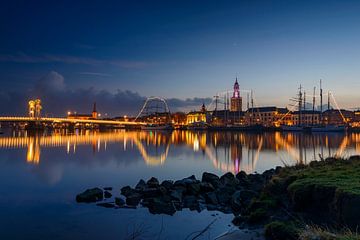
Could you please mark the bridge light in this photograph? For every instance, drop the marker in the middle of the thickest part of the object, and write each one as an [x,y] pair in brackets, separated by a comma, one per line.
[68,113]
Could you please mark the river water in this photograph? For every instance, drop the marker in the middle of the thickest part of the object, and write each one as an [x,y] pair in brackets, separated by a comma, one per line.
[41,173]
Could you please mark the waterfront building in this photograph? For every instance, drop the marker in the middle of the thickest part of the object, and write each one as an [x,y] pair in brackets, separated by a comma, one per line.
[236,99]
[195,117]
[227,117]
[75,115]
[338,117]
[179,118]
[308,117]
[267,116]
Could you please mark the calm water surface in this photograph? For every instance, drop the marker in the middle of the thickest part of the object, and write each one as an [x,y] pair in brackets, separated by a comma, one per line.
[41,174]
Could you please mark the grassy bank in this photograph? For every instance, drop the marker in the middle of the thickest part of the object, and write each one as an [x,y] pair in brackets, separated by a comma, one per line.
[316,201]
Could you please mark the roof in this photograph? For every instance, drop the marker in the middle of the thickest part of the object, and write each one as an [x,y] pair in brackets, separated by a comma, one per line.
[263,109]
[307,112]
[221,113]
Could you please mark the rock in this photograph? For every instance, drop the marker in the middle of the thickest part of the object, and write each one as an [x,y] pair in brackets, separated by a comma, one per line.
[190,202]
[126,191]
[229,179]
[193,188]
[133,199]
[158,207]
[246,196]
[238,220]
[167,184]
[153,182]
[244,182]
[186,181]
[209,177]
[206,187]
[151,192]
[119,201]
[236,203]
[241,175]
[90,195]
[106,205]
[141,185]
[108,188]
[278,169]
[223,197]
[210,198]
[176,194]
[107,194]
[269,173]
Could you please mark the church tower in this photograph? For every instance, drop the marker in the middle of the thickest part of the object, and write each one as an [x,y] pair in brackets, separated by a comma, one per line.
[94,112]
[236,99]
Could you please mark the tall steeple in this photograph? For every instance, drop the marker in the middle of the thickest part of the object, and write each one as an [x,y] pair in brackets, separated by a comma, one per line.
[94,112]
[236,93]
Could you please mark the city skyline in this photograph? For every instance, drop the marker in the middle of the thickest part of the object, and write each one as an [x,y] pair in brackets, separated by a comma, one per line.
[118,54]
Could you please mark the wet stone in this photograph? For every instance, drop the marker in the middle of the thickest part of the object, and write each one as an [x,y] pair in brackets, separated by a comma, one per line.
[119,201]
[90,195]
[107,194]
[153,182]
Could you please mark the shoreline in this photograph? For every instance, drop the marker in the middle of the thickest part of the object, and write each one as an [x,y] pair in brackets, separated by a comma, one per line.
[282,201]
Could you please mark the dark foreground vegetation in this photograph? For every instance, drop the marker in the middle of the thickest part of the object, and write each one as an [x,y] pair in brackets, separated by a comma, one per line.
[320,200]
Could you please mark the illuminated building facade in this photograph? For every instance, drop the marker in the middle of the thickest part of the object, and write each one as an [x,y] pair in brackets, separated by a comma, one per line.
[236,100]
[338,117]
[267,116]
[93,115]
[308,117]
[197,116]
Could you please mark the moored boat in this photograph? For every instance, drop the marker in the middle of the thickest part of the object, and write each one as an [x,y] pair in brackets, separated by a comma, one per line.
[293,128]
[328,128]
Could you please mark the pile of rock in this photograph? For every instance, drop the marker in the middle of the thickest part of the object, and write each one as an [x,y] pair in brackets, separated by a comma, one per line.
[228,193]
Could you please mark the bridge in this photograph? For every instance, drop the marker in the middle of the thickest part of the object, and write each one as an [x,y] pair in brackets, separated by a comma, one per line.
[68,120]
[148,112]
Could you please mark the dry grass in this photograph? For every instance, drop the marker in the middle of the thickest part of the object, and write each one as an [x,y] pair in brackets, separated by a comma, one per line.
[318,233]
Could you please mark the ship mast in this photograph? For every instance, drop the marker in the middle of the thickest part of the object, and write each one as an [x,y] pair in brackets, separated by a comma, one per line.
[300,103]
[313,106]
[321,102]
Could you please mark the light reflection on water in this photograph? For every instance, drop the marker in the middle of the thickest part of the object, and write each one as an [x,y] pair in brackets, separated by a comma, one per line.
[42,172]
[227,151]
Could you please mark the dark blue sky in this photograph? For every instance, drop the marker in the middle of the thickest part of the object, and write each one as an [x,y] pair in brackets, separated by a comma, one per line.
[183,49]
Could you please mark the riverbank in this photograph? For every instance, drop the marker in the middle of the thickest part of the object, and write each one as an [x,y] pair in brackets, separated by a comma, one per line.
[287,202]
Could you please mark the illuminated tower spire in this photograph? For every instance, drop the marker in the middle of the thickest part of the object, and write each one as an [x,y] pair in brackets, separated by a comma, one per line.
[236,93]
[94,112]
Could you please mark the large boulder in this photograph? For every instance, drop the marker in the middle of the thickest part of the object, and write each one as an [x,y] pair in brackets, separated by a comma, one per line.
[151,192]
[141,185]
[127,191]
[193,188]
[90,195]
[153,182]
[177,194]
[211,178]
[119,201]
[168,184]
[210,198]
[133,199]
[159,206]
[206,187]
[107,194]
[228,179]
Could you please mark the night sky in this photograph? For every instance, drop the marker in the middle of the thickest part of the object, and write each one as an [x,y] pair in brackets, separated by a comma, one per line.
[119,52]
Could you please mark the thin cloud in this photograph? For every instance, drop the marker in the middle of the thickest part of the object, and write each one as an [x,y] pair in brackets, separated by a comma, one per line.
[95,74]
[68,59]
